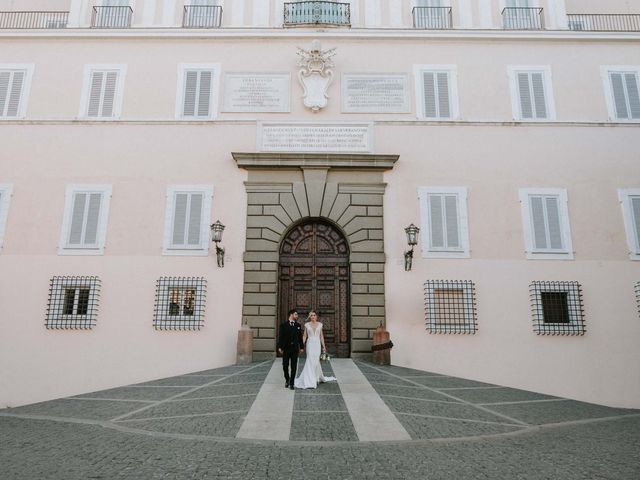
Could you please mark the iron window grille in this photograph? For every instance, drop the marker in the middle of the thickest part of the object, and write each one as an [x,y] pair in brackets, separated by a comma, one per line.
[557,308]
[450,306]
[73,302]
[180,303]
[638,296]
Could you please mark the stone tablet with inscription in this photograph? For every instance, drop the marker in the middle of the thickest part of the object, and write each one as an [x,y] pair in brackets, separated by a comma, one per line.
[305,137]
[375,93]
[256,92]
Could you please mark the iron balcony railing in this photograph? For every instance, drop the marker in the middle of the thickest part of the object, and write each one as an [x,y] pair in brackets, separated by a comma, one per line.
[604,22]
[432,18]
[522,18]
[202,16]
[111,17]
[317,13]
[33,20]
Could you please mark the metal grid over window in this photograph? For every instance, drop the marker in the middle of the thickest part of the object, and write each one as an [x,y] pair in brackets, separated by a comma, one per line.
[180,303]
[638,296]
[73,302]
[557,308]
[450,306]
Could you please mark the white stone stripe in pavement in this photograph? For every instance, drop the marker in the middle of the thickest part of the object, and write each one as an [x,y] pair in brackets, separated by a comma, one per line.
[270,415]
[372,419]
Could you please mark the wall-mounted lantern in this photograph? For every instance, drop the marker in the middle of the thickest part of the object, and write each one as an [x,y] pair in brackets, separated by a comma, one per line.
[216,237]
[412,239]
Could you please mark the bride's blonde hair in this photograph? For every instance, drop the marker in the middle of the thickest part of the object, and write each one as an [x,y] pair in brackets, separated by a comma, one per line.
[309,315]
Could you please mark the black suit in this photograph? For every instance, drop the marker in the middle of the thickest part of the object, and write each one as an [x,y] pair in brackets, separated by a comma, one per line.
[290,342]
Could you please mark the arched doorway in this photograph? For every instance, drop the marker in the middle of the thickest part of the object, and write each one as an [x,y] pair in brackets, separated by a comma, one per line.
[314,275]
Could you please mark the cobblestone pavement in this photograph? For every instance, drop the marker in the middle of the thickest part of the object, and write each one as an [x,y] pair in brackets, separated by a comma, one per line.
[184,428]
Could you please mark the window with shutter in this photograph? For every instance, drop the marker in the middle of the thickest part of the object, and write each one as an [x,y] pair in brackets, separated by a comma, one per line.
[531,93]
[5,196]
[630,201]
[546,223]
[102,93]
[196,99]
[187,220]
[626,95]
[84,224]
[14,85]
[444,222]
[436,92]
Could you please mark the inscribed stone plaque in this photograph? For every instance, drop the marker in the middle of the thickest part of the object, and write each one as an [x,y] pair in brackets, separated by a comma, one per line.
[375,93]
[256,92]
[317,137]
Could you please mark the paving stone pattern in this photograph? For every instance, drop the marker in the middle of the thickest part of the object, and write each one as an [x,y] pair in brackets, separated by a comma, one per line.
[185,428]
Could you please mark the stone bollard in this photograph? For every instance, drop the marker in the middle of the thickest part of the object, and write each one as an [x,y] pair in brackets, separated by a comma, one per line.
[381,347]
[245,345]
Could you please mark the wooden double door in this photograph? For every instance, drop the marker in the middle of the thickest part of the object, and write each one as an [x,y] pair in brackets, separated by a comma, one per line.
[314,275]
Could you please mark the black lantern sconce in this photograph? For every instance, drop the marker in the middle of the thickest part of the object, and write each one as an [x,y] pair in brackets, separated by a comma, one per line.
[216,237]
[412,239]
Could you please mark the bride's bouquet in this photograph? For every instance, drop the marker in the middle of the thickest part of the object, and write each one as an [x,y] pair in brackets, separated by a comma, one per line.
[324,357]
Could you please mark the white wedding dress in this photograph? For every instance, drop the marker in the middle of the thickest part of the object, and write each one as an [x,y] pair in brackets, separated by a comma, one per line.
[312,373]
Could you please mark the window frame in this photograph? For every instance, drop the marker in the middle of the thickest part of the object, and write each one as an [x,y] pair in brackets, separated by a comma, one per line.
[26,88]
[183,68]
[427,250]
[56,319]
[547,81]
[605,71]
[203,248]
[633,236]
[64,247]
[6,192]
[163,320]
[533,253]
[89,69]
[454,103]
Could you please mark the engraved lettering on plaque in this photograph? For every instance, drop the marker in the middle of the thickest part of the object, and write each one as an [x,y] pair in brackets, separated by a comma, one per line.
[256,92]
[346,138]
[375,93]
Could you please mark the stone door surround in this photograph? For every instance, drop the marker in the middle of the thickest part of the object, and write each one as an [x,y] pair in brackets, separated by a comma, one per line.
[345,190]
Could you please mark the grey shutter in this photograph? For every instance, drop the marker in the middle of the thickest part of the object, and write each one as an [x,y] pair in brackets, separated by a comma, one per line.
[93,217]
[436,217]
[537,84]
[16,93]
[429,95]
[635,212]
[111,83]
[526,105]
[204,93]
[190,92]
[179,218]
[553,220]
[451,218]
[443,95]
[631,82]
[77,218]
[95,94]
[538,222]
[195,217]
[5,76]
[619,96]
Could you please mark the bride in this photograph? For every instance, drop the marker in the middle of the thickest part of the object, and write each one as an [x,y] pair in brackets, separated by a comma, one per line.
[314,341]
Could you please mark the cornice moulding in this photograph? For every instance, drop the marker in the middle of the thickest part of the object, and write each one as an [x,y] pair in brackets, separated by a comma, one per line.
[303,160]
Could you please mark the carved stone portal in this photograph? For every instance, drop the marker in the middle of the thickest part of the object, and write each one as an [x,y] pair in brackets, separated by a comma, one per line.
[315,75]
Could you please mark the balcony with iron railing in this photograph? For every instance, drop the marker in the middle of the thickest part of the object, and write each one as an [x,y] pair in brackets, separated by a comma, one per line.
[432,18]
[202,16]
[317,13]
[522,18]
[604,22]
[19,20]
[111,17]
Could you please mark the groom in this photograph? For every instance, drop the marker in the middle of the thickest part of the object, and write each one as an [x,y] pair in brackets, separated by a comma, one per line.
[290,345]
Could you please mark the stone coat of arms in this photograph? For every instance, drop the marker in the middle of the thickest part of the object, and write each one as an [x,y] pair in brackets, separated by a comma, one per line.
[315,75]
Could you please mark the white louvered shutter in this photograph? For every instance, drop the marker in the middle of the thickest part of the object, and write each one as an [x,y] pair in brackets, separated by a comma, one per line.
[635,213]
[533,104]
[197,93]
[85,218]
[443,215]
[437,101]
[547,227]
[102,93]
[626,95]
[11,87]
[187,220]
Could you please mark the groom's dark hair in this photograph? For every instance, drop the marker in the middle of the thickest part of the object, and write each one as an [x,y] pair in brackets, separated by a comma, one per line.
[291,312]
